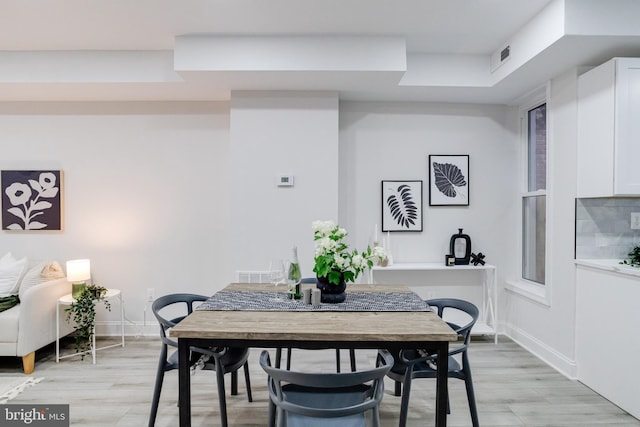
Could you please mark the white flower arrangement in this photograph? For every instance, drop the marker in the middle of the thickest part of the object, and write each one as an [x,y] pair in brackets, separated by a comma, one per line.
[332,257]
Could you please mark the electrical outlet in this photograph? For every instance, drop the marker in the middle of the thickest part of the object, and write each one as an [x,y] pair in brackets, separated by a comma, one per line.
[151,292]
[635,220]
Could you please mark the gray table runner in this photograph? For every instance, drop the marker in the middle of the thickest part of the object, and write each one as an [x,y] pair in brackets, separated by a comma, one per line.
[356,301]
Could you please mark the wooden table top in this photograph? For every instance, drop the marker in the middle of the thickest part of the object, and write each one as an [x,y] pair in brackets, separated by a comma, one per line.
[313,326]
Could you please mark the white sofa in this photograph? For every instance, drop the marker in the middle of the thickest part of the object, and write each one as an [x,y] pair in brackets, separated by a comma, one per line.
[31,324]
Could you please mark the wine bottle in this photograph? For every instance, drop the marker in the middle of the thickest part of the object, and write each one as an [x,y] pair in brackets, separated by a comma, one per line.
[294,274]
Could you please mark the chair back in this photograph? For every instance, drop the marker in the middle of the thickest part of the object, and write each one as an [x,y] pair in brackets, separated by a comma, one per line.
[183,302]
[303,396]
[470,309]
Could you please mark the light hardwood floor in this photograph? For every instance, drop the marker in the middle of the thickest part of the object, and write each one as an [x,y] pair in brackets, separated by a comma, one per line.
[513,388]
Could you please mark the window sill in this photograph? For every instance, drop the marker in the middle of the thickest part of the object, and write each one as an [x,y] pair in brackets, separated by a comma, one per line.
[530,290]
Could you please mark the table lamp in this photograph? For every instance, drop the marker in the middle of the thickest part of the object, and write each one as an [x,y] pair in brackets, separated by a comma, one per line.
[78,272]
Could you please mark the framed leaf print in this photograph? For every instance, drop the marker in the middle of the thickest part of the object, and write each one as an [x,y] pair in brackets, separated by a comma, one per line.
[449,180]
[31,200]
[401,205]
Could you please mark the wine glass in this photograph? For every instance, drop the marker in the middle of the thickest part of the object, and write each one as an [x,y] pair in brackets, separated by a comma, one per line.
[276,276]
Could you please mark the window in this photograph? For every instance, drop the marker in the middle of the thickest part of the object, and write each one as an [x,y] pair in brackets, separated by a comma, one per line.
[534,199]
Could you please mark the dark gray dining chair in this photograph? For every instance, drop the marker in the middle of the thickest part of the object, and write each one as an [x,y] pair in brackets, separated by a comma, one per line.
[307,399]
[411,364]
[352,352]
[229,359]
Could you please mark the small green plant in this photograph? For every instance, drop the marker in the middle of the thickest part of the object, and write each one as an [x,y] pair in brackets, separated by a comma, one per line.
[83,312]
[634,258]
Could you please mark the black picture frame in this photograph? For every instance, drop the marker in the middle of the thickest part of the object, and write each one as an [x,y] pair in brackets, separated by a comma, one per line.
[449,180]
[401,205]
[31,200]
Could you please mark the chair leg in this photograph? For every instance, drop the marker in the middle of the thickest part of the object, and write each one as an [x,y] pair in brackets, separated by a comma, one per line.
[234,383]
[352,356]
[397,391]
[222,398]
[404,405]
[156,395]
[247,381]
[472,400]
[272,414]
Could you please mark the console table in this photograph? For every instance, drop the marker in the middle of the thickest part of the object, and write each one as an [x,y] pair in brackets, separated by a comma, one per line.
[487,324]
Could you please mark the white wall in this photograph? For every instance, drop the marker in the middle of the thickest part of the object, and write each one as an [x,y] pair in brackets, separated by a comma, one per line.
[548,330]
[386,141]
[145,190]
[276,133]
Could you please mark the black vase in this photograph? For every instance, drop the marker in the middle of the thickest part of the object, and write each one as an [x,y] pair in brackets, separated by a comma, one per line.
[330,293]
[464,241]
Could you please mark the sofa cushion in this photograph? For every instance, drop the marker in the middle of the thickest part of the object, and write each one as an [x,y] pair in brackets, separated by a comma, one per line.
[9,321]
[11,272]
[40,272]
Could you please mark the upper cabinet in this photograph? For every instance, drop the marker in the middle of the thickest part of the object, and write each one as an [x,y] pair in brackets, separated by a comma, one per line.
[609,129]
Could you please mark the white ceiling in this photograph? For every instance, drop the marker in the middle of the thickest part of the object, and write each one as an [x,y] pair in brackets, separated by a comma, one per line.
[460,28]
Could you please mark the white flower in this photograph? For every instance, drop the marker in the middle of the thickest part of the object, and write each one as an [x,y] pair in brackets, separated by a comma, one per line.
[359,262]
[325,246]
[323,228]
[379,253]
[18,193]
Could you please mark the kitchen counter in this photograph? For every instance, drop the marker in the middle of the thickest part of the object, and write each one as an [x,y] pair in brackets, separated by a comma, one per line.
[609,265]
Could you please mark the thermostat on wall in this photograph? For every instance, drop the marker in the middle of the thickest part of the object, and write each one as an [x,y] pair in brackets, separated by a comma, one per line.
[285,180]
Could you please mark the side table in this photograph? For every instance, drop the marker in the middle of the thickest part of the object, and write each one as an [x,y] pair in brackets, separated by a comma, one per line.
[67,300]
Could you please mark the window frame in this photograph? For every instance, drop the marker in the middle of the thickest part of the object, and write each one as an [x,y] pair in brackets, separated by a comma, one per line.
[540,293]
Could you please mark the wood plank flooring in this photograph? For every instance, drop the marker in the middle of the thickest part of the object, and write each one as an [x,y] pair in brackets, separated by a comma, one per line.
[513,388]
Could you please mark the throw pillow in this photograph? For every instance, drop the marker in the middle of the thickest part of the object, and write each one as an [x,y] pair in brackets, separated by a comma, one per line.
[7,302]
[10,275]
[40,272]
[7,259]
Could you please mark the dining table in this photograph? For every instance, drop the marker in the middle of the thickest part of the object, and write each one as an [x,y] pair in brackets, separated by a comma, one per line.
[372,317]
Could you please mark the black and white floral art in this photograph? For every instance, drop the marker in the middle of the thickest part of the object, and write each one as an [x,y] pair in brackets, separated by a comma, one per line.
[31,200]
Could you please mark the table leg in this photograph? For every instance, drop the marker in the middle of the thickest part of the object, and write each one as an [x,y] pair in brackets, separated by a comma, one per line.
[93,345]
[122,318]
[441,384]
[58,332]
[184,383]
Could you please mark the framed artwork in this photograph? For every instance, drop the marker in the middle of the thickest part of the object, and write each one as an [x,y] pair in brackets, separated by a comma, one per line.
[401,205]
[449,180]
[31,200]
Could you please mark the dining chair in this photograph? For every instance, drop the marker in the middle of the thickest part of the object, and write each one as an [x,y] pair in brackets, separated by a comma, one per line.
[352,352]
[308,399]
[412,364]
[229,359]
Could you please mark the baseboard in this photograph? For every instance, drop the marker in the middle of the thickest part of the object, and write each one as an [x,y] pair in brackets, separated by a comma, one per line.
[131,329]
[550,356]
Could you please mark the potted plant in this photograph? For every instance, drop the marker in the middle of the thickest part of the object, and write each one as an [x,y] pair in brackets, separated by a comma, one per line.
[634,258]
[334,264]
[83,312]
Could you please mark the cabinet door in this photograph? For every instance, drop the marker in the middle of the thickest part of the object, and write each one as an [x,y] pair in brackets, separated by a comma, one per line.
[596,123]
[627,138]
[607,339]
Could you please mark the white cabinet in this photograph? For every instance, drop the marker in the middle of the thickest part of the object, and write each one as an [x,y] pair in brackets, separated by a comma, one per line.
[609,129]
[607,339]
[435,280]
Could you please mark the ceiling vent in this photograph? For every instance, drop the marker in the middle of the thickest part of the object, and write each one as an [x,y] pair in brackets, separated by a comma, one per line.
[500,57]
